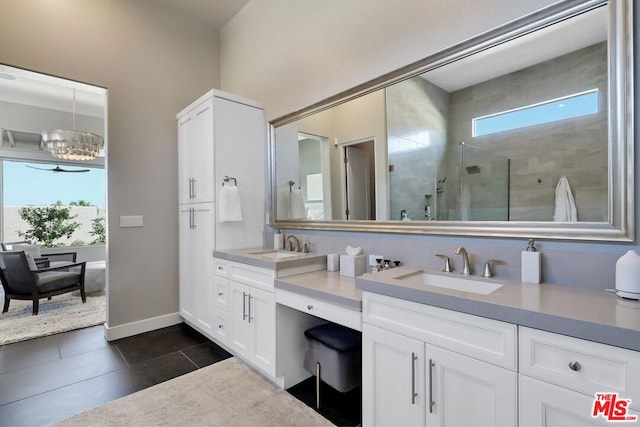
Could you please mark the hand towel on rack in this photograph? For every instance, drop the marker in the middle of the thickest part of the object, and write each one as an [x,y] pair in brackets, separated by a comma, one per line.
[296,204]
[565,209]
[229,207]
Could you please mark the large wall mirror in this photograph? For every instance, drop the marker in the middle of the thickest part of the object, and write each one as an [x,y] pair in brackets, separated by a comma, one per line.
[524,131]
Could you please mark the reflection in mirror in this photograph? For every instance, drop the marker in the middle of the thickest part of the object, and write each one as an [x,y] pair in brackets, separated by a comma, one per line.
[500,129]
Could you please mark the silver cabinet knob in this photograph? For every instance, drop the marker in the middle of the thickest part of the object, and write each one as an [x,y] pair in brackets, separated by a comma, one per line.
[309,307]
[574,365]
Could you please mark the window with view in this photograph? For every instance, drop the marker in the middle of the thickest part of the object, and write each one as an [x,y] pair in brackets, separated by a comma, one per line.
[54,207]
[575,105]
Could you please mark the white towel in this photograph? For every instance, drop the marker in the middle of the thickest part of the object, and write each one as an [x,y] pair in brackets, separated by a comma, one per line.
[229,208]
[296,204]
[565,210]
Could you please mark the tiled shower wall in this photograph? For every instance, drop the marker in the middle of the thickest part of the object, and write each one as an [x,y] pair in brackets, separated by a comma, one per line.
[533,157]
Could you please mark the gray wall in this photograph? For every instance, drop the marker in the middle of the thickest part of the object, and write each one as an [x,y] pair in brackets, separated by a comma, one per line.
[153,63]
[416,109]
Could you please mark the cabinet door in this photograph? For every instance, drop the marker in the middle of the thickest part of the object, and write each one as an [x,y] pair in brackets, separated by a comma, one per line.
[393,388]
[544,404]
[187,263]
[262,316]
[462,391]
[241,329]
[185,174]
[197,292]
[196,155]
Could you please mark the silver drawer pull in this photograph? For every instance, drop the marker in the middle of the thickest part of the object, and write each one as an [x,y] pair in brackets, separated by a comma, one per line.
[309,307]
[220,294]
[574,366]
[219,326]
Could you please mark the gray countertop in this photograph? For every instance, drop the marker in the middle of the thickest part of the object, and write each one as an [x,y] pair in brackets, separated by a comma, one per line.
[593,315]
[325,285]
[272,259]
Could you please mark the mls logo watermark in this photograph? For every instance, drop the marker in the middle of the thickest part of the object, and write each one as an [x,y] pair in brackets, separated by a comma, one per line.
[612,408]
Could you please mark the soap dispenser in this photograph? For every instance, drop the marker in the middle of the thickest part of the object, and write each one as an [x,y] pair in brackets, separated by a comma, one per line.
[531,266]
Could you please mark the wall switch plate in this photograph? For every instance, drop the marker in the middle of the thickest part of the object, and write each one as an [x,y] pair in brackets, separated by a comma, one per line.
[372,260]
[131,221]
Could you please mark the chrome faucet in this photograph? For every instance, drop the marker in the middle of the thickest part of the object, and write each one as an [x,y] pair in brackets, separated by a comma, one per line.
[466,270]
[292,243]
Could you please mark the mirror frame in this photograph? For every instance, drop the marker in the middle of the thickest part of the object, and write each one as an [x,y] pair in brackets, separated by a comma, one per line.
[620,226]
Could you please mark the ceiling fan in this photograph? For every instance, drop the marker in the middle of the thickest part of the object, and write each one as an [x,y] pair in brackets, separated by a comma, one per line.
[58,169]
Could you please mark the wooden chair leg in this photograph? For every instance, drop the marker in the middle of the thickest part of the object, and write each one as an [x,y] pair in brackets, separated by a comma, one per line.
[36,305]
[83,294]
[6,304]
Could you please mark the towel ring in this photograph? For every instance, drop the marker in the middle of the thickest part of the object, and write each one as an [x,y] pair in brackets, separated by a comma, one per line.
[229,178]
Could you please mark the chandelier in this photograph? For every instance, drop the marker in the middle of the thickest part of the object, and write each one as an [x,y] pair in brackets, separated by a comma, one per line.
[72,144]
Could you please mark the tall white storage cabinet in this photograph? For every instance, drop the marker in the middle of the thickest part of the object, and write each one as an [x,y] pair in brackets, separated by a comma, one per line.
[219,136]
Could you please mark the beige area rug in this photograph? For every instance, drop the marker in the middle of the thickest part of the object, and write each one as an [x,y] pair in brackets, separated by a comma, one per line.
[60,314]
[227,393]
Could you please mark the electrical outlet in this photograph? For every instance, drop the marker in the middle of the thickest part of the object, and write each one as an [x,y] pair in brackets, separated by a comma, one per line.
[372,260]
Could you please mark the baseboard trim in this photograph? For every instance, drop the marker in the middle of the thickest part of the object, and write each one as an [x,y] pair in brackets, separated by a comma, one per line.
[134,328]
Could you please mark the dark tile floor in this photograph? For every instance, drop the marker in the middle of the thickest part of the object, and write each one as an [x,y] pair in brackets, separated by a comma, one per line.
[342,409]
[47,379]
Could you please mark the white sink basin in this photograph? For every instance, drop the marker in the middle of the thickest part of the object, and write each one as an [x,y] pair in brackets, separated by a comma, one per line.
[275,255]
[457,283]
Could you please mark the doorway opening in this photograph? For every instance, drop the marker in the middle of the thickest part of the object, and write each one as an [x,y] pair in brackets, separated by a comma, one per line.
[49,204]
[360,180]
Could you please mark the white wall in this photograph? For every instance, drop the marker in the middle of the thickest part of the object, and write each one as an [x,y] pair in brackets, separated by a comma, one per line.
[153,64]
[290,57]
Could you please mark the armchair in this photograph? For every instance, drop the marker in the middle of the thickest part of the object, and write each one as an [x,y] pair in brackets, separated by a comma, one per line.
[20,281]
[42,259]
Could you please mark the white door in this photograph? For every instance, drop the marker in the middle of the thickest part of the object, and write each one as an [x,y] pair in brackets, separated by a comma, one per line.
[187,264]
[195,155]
[202,264]
[358,188]
[262,316]
[544,404]
[196,237]
[185,173]
[201,153]
[393,388]
[462,391]
[241,330]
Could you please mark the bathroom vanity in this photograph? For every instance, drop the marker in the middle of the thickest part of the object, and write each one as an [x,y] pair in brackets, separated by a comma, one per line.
[521,354]
[438,348]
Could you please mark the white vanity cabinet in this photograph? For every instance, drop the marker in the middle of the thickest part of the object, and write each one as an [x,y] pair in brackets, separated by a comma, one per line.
[245,307]
[560,375]
[424,365]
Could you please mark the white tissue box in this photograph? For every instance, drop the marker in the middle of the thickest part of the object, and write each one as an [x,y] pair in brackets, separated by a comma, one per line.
[352,265]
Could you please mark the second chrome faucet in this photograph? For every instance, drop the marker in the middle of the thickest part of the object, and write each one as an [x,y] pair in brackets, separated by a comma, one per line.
[466,269]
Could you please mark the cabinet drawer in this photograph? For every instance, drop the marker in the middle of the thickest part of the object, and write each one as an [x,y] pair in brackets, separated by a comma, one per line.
[335,313]
[485,339]
[257,277]
[220,326]
[220,267]
[595,367]
[221,289]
